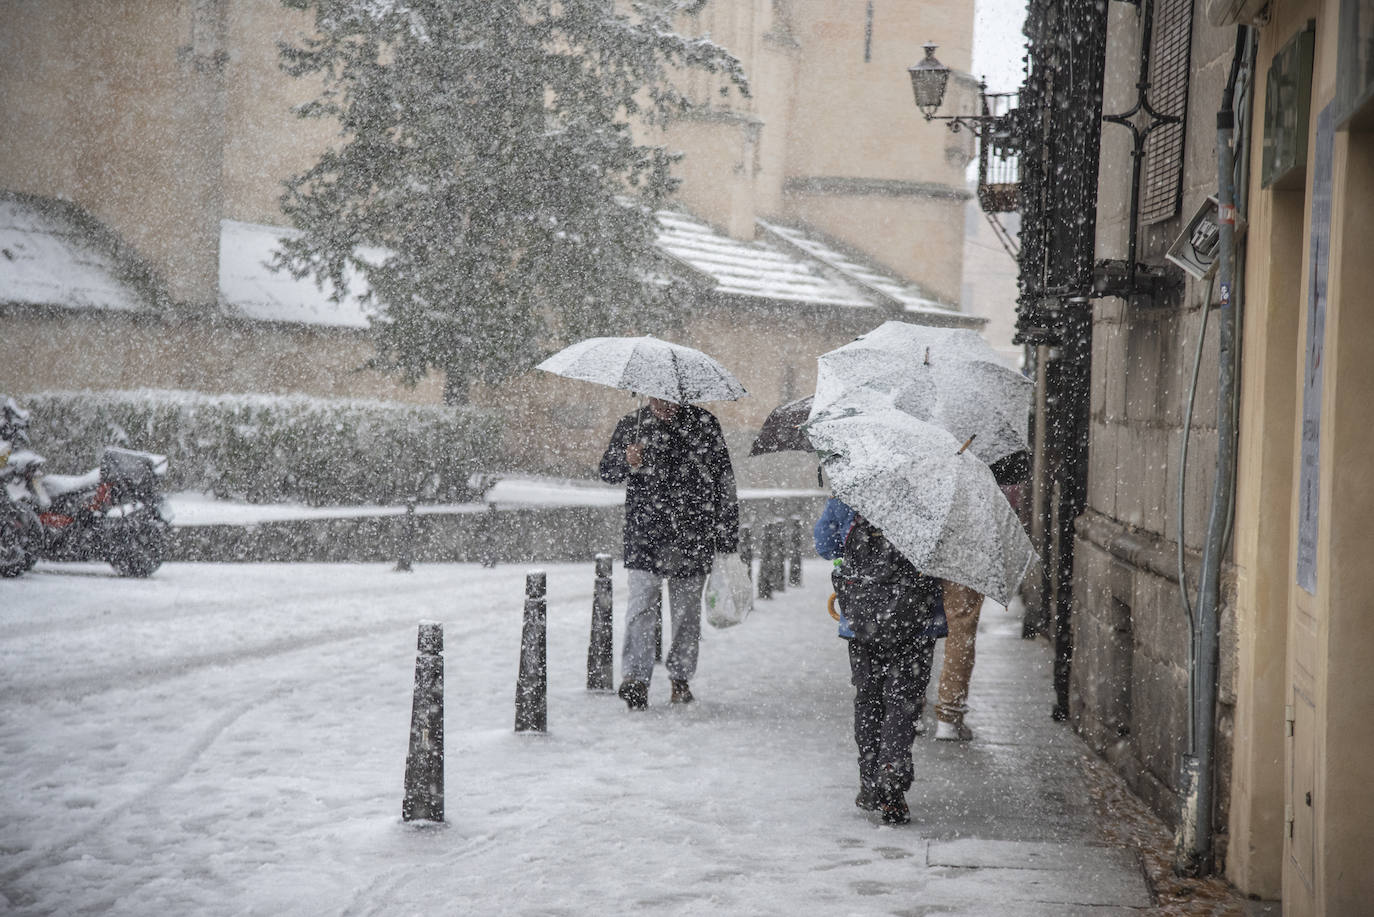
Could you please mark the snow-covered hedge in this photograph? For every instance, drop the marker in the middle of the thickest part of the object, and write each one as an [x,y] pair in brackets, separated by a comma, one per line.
[271,448]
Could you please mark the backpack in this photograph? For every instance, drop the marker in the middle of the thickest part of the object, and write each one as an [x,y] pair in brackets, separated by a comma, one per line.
[884,597]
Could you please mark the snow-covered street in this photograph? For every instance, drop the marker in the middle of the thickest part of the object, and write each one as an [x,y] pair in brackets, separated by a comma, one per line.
[230,740]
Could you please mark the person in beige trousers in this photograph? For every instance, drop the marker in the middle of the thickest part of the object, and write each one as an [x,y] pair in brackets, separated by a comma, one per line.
[962,606]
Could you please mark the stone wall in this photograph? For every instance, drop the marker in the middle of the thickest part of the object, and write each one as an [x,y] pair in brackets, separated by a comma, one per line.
[476,534]
[1130,696]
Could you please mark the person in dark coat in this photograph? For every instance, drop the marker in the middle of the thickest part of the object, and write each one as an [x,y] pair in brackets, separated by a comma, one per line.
[680,510]
[889,613]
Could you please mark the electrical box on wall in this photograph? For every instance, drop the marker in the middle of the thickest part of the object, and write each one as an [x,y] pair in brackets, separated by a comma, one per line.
[1197,247]
[1287,110]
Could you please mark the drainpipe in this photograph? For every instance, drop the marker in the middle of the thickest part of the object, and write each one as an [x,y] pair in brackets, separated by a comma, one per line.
[1198,767]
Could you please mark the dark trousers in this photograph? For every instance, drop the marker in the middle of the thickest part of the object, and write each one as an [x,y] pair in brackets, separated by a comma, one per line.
[889,693]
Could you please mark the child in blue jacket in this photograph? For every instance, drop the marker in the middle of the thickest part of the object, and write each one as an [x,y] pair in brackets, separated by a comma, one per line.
[829,534]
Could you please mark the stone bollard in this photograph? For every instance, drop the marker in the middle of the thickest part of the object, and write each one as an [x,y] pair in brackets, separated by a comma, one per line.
[600,649]
[767,548]
[777,570]
[406,551]
[794,558]
[486,550]
[746,548]
[532,685]
[424,790]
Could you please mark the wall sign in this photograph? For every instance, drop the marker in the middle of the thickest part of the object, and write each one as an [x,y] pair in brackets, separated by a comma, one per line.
[1309,471]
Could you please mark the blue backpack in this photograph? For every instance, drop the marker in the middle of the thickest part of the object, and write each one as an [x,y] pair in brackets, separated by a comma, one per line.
[886,600]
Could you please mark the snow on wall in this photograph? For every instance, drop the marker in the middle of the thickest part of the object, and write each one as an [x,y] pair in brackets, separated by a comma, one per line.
[252,290]
[45,261]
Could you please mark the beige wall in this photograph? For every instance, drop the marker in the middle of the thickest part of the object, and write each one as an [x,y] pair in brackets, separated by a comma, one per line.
[52,350]
[1323,640]
[771,349]
[121,112]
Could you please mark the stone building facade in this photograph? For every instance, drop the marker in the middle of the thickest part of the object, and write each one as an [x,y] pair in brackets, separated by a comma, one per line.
[1292,813]
[167,123]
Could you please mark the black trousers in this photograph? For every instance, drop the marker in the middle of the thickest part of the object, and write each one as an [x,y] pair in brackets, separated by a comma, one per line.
[889,693]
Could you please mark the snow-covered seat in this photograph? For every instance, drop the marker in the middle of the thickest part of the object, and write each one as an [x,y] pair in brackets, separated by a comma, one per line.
[58,485]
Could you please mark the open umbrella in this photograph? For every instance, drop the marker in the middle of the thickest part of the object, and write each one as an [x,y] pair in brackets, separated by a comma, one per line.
[781,430]
[947,376]
[938,505]
[647,366]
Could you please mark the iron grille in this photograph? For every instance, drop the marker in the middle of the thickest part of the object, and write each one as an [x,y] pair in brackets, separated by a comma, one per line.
[1169,59]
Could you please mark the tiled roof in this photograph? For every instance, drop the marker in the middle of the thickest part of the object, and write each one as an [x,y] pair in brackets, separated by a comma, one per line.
[757,269]
[910,298]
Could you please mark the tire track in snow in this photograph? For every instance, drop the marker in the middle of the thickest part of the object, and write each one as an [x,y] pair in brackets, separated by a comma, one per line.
[177,667]
[182,611]
[54,854]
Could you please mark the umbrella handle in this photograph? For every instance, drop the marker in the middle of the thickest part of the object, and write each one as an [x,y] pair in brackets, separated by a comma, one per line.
[830,607]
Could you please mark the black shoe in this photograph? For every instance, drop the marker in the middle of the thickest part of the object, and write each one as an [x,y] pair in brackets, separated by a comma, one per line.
[681,693]
[894,808]
[635,694]
[868,799]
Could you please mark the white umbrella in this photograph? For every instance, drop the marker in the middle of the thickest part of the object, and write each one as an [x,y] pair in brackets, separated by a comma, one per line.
[938,505]
[947,376]
[647,366]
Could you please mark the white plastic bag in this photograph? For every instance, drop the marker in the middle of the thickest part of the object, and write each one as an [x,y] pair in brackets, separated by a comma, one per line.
[729,594]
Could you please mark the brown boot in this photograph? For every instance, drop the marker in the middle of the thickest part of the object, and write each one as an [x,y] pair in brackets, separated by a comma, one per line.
[681,693]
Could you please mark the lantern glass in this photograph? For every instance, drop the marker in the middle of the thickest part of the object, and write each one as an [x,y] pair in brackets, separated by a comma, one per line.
[928,81]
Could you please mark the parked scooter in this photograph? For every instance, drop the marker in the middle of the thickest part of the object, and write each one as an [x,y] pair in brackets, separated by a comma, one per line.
[115,513]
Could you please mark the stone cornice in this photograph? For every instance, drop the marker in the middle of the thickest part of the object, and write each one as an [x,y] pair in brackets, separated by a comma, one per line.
[847,186]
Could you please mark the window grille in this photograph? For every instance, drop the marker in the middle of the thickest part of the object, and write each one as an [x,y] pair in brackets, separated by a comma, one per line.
[1169,59]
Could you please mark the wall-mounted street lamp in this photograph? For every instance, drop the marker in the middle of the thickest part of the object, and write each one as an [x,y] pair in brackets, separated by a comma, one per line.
[928,81]
[995,128]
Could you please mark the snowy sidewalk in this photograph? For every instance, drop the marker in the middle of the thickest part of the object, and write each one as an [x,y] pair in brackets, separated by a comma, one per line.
[229,739]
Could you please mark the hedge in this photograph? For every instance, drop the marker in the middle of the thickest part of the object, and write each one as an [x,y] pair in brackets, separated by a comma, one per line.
[274,448]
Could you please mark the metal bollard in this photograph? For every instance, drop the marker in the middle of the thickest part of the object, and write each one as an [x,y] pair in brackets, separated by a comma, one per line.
[600,648]
[794,559]
[406,552]
[767,547]
[532,685]
[424,788]
[746,547]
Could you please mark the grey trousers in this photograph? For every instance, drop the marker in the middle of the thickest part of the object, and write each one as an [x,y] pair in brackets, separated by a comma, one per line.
[645,607]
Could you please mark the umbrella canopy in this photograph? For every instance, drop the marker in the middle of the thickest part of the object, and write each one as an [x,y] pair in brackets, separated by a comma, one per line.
[647,366]
[947,376]
[939,506]
[781,430]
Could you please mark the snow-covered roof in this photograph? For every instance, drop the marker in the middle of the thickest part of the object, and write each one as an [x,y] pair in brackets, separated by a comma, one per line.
[46,260]
[757,268]
[911,298]
[250,289]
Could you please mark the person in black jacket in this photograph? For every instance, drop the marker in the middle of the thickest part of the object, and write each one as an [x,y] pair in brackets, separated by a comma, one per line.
[680,510]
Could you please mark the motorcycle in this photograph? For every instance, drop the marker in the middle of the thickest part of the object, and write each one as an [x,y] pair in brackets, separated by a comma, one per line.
[115,512]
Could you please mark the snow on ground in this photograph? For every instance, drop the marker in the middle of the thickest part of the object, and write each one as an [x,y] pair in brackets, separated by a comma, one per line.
[231,739]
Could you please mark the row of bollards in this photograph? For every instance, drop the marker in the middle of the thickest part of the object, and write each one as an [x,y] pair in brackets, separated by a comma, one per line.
[780,555]
[779,565]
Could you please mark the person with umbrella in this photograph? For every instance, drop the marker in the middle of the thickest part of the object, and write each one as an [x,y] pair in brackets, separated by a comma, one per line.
[681,508]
